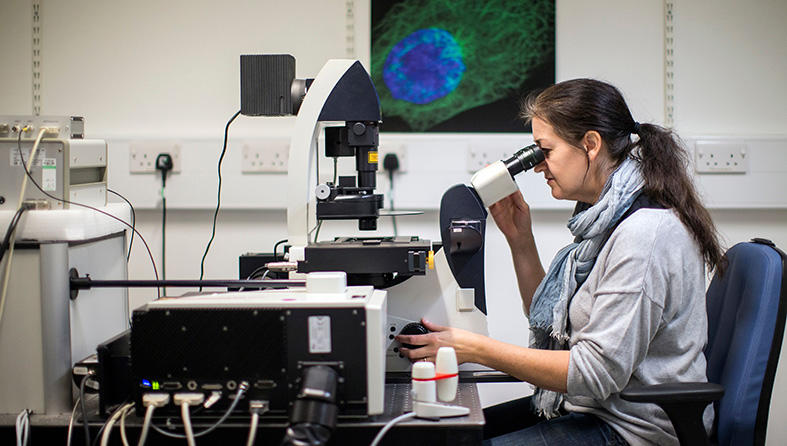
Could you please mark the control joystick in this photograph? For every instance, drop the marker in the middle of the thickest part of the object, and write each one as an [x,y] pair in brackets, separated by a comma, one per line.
[413,328]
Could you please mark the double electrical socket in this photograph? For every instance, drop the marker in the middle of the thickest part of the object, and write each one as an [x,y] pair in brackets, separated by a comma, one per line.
[720,157]
[143,154]
[269,156]
[480,156]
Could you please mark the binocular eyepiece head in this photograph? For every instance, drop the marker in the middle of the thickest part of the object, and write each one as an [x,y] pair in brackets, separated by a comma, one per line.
[524,159]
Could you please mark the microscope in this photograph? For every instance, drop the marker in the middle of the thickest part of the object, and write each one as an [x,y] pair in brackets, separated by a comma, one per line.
[318,343]
[440,281]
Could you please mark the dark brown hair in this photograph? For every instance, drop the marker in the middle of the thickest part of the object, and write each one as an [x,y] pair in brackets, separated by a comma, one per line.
[577,106]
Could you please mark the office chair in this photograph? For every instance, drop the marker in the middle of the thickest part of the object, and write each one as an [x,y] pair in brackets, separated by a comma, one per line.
[746,316]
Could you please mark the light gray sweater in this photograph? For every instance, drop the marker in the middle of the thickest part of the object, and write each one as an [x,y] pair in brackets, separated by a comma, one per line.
[638,319]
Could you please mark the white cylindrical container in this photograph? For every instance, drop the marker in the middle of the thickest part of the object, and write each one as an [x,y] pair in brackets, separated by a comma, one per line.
[446,365]
[424,390]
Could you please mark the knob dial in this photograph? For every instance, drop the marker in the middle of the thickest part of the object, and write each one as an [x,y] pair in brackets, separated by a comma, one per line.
[413,328]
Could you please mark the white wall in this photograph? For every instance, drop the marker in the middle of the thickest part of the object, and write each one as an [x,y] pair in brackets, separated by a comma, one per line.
[169,70]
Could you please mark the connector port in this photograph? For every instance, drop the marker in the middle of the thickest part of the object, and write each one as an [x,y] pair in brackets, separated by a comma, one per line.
[171,385]
[263,384]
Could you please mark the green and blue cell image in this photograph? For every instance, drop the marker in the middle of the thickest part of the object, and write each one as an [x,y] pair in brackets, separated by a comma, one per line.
[460,65]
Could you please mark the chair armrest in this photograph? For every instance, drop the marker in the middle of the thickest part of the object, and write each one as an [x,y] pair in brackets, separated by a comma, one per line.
[675,393]
[684,404]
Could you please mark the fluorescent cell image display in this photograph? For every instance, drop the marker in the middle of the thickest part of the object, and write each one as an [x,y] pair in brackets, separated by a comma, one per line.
[460,65]
[424,66]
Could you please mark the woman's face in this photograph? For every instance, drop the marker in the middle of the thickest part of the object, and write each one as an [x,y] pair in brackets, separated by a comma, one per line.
[565,166]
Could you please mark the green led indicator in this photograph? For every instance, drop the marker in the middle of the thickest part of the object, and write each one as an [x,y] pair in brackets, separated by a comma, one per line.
[155,385]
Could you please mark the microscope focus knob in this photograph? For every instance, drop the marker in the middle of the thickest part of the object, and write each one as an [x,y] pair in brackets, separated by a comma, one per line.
[322,191]
[413,328]
[359,128]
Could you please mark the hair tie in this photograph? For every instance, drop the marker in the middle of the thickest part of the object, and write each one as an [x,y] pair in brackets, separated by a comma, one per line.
[636,128]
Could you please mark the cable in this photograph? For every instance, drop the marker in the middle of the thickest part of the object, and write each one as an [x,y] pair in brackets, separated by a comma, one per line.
[12,229]
[163,238]
[316,228]
[84,409]
[164,164]
[218,198]
[27,172]
[111,423]
[20,205]
[22,427]
[241,390]
[71,422]
[317,234]
[8,244]
[255,419]
[391,424]
[257,271]
[391,200]
[256,407]
[151,401]
[276,247]
[146,425]
[123,436]
[133,221]
[391,165]
[184,412]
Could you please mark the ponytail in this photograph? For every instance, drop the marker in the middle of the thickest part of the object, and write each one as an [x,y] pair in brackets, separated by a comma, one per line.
[664,164]
[577,106]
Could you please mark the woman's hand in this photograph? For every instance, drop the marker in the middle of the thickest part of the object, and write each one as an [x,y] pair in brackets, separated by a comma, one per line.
[512,216]
[464,342]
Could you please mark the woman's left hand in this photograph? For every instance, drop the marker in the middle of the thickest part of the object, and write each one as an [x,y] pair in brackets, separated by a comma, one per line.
[464,342]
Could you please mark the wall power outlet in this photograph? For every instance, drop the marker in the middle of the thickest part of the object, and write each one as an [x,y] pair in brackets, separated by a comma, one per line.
[720,157]
[142,155]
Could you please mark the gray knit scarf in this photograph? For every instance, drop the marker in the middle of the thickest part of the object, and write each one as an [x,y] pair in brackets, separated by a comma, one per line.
[570,268]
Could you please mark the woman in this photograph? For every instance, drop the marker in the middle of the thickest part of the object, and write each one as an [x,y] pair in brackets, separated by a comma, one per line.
[624,305]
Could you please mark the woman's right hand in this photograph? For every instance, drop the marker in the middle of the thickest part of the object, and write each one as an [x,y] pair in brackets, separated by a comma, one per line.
[512,216]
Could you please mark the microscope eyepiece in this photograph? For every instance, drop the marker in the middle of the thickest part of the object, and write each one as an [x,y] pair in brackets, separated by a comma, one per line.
[524,159]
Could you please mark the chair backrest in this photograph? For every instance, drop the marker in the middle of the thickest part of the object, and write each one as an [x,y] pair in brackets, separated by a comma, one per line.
[746,315]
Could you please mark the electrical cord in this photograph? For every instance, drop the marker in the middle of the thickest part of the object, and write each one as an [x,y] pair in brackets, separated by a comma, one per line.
[241,390]
[218,198]
[8,244]
[71,422]
[12,229]
[123,435]
[163,238]
[27,173]
[317,234]
[255,419]
[164,165]
[256,407]
[391,200]
[391,424]
[133,221]
[111,423]
[184,412]
[391,165]
[23,428]
[276,248]
[256,271]
[146,425]
[84,409]
[20,205]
